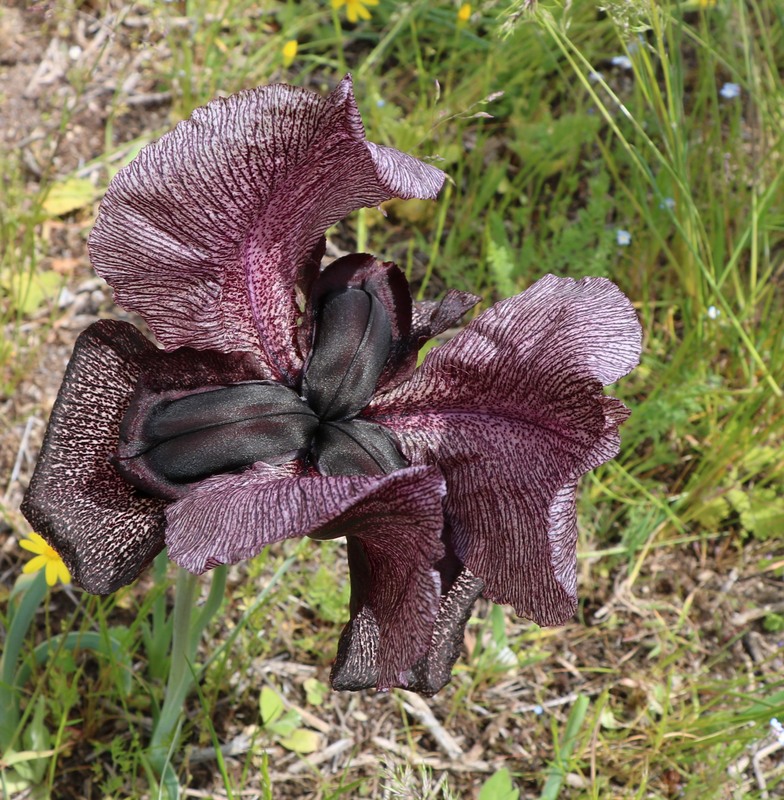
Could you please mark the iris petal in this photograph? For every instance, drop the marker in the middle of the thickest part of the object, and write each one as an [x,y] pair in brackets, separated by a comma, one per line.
[434,670]
[350,349]
[208,232]
[513,413]
[356,448]
[397,519]
[385,281]
[105,531]
[184,438]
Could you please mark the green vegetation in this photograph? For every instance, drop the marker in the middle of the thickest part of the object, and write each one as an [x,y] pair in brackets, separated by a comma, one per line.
[642,142]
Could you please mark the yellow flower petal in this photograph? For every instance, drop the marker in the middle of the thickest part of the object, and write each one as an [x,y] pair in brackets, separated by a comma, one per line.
[63,575]
[464,14]
[47,558]
[35,543]
[51,573]
[39,562]
[289,52]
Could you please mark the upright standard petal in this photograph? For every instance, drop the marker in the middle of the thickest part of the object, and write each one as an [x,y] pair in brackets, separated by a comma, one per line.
[386,282]
[209,231]
[396,519]
[512,411]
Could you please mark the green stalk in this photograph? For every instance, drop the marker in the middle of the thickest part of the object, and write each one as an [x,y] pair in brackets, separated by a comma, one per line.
[211,608]
[180,678]
[339,37]
[186,635]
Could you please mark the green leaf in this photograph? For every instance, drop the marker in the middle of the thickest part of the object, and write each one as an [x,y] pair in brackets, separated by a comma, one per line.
[315,691]
[271,705]
[711,514]
[739,500]
[608,721]
[764,518]
[286,725]
[499,256]
[499,787]
[30,291]
[757,459]
[302,741]
[761,512]
[11,780]
[329,595]
[69,195]
[36,737]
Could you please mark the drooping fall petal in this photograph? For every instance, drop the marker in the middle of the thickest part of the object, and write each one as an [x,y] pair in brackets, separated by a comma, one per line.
[105,529]
[434,670]
[208,231]
[512,411]
[397,520]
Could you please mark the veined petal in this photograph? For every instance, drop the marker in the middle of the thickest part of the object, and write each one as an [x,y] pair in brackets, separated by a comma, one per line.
[396,518]
[434,670]
[512,411]
[104,530]
[209,231]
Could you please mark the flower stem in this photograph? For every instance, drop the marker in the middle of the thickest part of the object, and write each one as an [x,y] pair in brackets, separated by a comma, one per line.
[186,634]
[180,676]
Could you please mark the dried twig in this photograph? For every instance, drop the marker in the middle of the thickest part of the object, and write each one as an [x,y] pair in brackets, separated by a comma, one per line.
[419,709]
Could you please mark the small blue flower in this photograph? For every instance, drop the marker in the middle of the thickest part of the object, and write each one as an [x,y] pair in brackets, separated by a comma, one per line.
[623,238]
[667,203]
[624,62]
[538,710]
[777,729]
[730,91]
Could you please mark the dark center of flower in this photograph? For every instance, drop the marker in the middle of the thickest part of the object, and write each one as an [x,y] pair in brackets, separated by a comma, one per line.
[169,440]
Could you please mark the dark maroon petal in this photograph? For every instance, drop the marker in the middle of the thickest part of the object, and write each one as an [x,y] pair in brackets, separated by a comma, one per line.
[386,282]
[208,233]
[397,519]
[512,412]
[432,317]
[104,529]
[356,448]
[434,670]
[170,440]
[350,349]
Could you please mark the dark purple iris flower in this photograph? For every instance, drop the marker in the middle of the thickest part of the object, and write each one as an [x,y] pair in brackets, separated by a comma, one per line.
[285,401]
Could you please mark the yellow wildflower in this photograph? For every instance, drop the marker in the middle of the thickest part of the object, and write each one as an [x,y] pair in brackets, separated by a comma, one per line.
[46,557]
[707,3]
[464,14]
[289,52]
[355,8]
